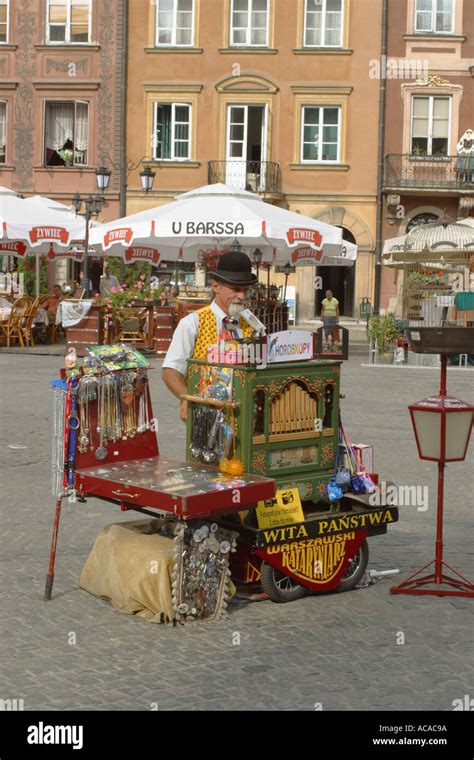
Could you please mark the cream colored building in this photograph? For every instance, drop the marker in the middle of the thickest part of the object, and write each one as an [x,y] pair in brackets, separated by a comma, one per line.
[272,95]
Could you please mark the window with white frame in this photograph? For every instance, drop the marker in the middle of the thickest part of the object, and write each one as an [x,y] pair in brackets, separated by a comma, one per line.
[320,139]
[249,23]
[174,22]
[3,132]
[66,133]
[430,125]
[4,8]
[433,16]
[323,23]
[172,131]
[69,21]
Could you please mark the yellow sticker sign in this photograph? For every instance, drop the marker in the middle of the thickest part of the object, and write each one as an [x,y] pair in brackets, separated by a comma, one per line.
[284,509]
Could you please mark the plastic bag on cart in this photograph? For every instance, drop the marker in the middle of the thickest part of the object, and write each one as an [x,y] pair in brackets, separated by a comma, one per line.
[343,478]
[358,485]
[335,492]
[342,475]
[370,486]
[362,483]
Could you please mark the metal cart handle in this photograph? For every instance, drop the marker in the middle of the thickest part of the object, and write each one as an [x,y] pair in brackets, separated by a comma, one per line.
[128,495]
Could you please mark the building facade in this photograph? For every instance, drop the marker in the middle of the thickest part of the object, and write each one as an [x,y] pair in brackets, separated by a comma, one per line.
[61,75]
[271,95]
[430,107]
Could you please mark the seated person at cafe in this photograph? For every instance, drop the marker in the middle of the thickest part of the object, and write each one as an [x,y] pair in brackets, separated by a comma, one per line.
[52,302]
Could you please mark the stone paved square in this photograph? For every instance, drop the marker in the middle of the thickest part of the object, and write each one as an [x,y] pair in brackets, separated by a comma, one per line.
[336,650]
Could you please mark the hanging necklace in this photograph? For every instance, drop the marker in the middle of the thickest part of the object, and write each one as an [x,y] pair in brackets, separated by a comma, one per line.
[101,452]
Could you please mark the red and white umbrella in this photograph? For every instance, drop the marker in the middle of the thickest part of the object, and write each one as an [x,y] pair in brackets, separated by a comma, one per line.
[38,226]
[216,216]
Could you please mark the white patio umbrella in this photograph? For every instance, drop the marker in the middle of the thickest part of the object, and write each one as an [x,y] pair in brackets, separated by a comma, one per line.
[427,243]
[36,226]
[216,216]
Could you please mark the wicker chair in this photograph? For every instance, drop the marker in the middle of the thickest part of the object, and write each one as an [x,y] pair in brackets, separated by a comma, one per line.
[27,322]
[13,328]
[130,327]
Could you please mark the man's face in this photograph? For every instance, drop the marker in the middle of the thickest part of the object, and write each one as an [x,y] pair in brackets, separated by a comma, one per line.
[107,272]
[231,298]
[57,291]
[329,294]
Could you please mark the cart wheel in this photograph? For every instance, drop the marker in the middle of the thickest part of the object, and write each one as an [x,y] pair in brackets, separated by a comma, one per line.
[279,587]
[355,569]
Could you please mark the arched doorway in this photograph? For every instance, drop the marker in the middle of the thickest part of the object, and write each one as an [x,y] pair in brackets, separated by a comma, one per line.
[339,279]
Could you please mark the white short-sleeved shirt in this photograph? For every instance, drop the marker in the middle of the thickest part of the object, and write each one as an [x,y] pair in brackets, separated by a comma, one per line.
[184,339]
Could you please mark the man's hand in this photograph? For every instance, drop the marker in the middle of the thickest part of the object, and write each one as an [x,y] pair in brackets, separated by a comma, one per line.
[177,385]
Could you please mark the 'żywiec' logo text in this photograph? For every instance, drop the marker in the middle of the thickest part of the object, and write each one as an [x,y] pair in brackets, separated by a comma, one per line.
[38,234]
[304,235]
[142,253]
[119,235]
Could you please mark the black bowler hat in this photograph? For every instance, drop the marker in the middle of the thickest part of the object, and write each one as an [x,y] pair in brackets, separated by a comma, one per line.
[234,268]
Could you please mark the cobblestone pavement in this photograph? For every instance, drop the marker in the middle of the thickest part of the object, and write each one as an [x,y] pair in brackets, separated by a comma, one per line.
[342,651]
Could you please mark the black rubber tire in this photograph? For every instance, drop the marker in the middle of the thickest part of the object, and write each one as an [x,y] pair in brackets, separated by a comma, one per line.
[356,569]
[288,590]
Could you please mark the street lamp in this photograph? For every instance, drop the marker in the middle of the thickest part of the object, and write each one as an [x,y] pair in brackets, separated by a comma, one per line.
[235,246]
[257,259]
[147,177]
[442,426]
[102,176]
[93,205]
[287,269]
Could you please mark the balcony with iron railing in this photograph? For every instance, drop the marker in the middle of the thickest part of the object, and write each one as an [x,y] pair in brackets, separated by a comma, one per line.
[262,177]
[405,172]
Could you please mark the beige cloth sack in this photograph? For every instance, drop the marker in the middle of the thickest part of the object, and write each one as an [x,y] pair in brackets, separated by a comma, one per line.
[131,565]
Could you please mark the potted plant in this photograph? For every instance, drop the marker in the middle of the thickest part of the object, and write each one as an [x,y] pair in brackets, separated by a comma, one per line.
[67,155]
[426,279]
[383,331]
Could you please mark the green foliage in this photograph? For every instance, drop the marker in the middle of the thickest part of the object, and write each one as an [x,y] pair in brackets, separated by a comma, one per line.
[420,280]
[28,268]
[384,330]
[137,294]
[133,272]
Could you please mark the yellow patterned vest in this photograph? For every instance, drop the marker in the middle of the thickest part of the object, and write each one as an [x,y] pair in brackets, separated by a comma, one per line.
[207,334]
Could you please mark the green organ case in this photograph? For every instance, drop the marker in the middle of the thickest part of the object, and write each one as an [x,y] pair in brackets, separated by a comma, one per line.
[286,422]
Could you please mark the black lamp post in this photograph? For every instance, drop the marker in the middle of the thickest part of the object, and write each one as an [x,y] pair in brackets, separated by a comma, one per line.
[147,177]
[93,205]
[257,257]
[288,269]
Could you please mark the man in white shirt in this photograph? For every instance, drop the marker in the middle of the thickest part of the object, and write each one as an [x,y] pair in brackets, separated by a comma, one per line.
[108,282]
[197,331]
